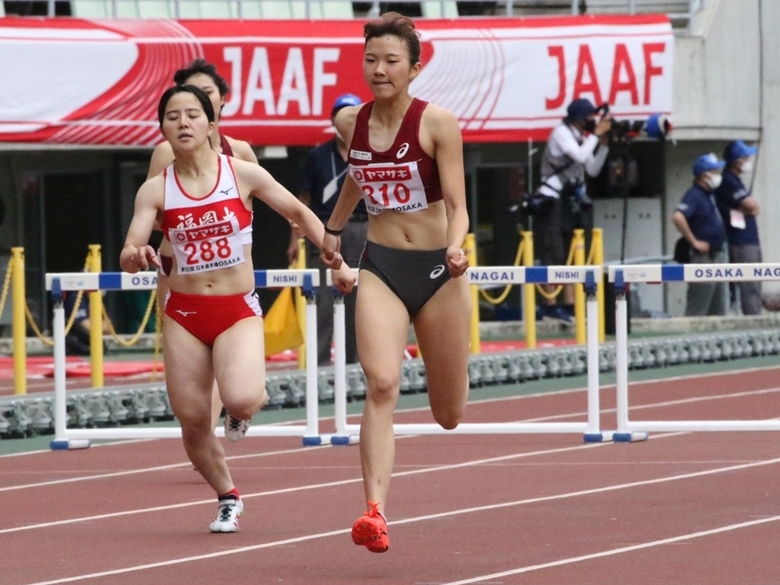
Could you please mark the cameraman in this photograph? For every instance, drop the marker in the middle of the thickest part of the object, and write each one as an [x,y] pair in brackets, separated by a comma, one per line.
[577,146]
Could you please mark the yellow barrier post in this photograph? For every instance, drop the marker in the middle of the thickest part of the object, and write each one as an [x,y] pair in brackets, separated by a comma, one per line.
[470,247]
[18,323]
[597,247]
[300,304]
[94,264]
[529,291]
[579,291]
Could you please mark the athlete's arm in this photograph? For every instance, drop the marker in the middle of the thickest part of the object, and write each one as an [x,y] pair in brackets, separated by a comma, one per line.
[331,244]
[162,156]
[259,183]
[137,254]
[448,143]
[350,194]
[242,150]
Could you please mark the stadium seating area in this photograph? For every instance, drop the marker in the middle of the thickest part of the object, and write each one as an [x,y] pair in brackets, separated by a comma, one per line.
[678,10]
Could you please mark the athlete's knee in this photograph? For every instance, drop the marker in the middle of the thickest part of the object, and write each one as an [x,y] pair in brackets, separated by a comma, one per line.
[244,407]
[383,388]
[449,419]
[195,432]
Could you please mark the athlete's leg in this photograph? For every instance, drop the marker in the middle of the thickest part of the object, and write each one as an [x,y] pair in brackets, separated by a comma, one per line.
[189,378]
[239,367]
[442,329]
[382,329]
[162,291]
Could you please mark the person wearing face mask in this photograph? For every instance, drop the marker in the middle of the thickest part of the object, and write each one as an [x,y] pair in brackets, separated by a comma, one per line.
[698,220]
[576,147]
[322,176]
[739,210]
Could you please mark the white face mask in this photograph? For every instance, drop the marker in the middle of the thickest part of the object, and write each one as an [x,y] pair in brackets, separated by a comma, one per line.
[746,167]
[713,181]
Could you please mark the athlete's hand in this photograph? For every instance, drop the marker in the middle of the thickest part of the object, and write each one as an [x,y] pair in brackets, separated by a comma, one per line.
[457,261]
[329,253]
[142,257]
[343,279]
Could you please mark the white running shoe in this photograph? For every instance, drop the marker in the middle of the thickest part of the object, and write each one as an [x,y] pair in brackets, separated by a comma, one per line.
[227,516]
[235,429]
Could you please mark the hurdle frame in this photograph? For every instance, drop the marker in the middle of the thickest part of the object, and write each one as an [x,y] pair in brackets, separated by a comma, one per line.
[591,431]
[79,438]
[621,275]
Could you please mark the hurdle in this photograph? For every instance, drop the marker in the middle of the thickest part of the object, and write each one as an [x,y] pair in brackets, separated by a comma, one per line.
[621,276]
[79,438]
[590,429]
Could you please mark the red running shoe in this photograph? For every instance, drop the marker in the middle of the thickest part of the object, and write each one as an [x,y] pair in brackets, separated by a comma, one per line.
[370,530]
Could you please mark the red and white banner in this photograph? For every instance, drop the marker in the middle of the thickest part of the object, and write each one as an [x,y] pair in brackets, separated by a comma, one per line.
[71,81]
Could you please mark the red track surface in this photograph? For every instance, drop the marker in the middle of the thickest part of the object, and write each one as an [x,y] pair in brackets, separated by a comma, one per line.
[680,508]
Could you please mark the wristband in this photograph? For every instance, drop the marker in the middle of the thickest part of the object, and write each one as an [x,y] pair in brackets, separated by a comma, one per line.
[333,232]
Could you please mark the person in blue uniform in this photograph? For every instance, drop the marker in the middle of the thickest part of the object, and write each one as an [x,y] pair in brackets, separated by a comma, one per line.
[739,210]
[698,220]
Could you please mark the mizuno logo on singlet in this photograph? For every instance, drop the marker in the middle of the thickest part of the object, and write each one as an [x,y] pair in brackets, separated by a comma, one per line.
[360,154]
[185,313]
[403,150]
[436,272]
[226,191]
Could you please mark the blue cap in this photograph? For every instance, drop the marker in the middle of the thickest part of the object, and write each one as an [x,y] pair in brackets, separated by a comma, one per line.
[580,109]
[707,162]
[738,149]
[343,101]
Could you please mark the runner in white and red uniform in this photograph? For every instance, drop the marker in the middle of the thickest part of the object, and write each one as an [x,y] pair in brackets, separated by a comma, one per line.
[406,162]
[213,328]
[202,75]
[207,233]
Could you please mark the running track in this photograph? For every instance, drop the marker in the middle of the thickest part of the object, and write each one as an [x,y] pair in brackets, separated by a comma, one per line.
[680,508]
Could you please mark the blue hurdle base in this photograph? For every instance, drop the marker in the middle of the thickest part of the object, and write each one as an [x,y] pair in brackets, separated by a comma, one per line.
[69,444]
[343,440]
[630,437]
[593,437]
[314,441]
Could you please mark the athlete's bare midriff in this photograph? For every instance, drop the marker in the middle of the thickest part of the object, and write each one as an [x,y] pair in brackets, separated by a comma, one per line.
[420,230]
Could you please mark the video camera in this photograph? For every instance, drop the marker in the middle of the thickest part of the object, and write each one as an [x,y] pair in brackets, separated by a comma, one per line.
[655,126]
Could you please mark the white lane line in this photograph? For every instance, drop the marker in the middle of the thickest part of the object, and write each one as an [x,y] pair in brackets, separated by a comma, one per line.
[168,467]
[616,551]
[307,449]
[301,488]
[463,511]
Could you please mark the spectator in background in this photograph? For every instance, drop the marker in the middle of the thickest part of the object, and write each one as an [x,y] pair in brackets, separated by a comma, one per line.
[739,210]
[698,220]
[577,146]
[323,175]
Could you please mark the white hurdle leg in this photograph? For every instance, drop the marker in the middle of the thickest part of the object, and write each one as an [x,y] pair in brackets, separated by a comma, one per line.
[312,436]
[340,372]
[622,434]
[593,434]
[61,441]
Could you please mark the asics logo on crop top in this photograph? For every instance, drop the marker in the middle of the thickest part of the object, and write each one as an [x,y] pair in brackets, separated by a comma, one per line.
[402,151]
[436,272]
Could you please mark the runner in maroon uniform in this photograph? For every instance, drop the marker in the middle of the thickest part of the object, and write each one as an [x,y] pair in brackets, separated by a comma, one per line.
[202,75]
[213,327]
[406,161]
